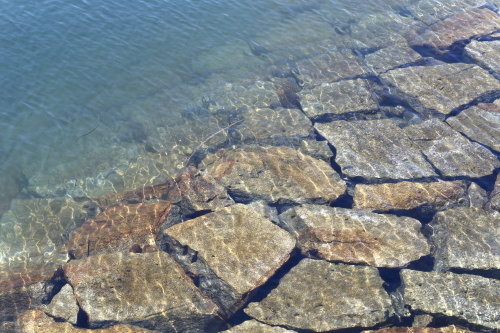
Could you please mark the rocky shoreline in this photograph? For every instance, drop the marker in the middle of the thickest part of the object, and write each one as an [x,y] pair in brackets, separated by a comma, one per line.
[355,190]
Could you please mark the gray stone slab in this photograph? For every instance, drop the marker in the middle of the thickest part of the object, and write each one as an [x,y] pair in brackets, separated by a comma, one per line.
[440,88]
[375,149]
[468,297]
[331,99]
[467,238]
[391,57]
[486,54]
[320,296]
[479,123]
[253,326]
[63,305]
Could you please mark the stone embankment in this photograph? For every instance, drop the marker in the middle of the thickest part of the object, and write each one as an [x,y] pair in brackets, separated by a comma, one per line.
[356,190]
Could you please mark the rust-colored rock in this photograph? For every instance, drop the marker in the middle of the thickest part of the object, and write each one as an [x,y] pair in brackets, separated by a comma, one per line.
[408,195]
[35,321]
[119,229]
[275,174]
[356,236]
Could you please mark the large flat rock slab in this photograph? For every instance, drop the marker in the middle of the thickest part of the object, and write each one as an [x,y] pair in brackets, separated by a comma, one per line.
[480,123]
[468,297]
[461,26]
[467,238]
[408,195]
[328,100]
[391,57]
[485,54]
[253,326]
[356,237]
[274,174]
[449,152]
[440,88]
[242,247]
[35,321]
[319,296]
[375,149]
[120,229]
[447,329]
[140,289]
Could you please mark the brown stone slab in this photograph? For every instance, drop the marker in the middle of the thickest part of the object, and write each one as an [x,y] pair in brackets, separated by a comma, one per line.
[119,229]
[242,247]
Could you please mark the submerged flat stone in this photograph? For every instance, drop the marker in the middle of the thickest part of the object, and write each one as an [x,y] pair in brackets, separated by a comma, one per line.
[355,236]
[63,305]
[330,67]
[319,296]
[494,202]
[375,149]
[37,321]
[408,195]
[479,123]
[467,238]
[485,53]
[143,289]
[447,329]
[468,297]
[253,326]
[330,99]
[274,174]
[440,88]
[450,152]
[120,229]
[242,247]
[461,26]
[391,57]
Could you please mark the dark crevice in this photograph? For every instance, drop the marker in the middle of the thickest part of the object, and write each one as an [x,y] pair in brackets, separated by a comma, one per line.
[53,286]
[424,264]
[346,200]
[424,213]
[82,319]
[493,151]
[489,97]
[441,320]
[197,214]
[436,169]
[487,273]
[347,116]
[263,291]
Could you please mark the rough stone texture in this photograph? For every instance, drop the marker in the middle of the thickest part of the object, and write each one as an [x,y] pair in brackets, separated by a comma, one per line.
[320,296]
[146,289]
[478,197]
[118,229]
[409,195]
[330,99]
[485,54]
[473,298]
[330,67]
[440,88]
[34,227]
[35,321]
[375,149]
[241,246]
[274,174]
[391,57]
[267,124]
[449,152]
[23,283]
[494,202]
[461,26]
[447,329]
[479,123]
[356,237]
[253,326]
[190,190]
[467,238]
[429,12]
[63,305]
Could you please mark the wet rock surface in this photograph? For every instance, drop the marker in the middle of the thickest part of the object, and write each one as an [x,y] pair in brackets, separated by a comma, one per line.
[356,237]
[485,54]
[275,174]
[408,195]
[320,296]
[392,57]
[63,305]
[253,326]
[447,329]
[467,238]
[328,100]
[240,245]
[37,321]
[375,149]
[440,88]
[120,229]
[146,289]
[468,297]
[479,123]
